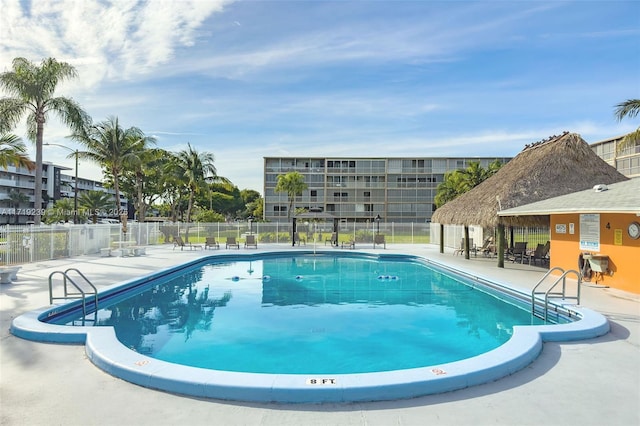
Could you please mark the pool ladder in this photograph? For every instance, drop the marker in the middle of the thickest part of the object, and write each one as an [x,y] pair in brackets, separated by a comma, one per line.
[540,305]
[73,289]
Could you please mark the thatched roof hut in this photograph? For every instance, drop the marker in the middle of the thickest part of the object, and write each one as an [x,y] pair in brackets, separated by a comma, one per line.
[556,166]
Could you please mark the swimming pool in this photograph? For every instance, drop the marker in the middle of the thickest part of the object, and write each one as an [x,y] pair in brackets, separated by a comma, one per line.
[386,288]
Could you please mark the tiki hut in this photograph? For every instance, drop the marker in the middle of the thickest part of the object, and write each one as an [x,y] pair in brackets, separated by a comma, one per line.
[552,167]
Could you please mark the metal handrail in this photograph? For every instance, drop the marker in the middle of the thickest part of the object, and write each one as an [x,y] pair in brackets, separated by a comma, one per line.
[548,293]
[80,294]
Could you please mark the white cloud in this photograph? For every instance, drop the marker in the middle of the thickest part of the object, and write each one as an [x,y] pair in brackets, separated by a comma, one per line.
[116,40]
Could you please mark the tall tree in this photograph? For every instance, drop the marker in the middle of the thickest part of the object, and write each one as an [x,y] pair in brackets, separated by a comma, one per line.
[630,108]
[114,148]
[194,169]
[31,90]
[13,151]
[293,184]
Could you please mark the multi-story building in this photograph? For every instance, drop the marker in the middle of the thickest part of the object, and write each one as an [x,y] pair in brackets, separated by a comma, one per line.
[627,161]
[55,185]
[360,189]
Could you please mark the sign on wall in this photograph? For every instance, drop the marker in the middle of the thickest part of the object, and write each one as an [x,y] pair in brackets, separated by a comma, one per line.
[590,232]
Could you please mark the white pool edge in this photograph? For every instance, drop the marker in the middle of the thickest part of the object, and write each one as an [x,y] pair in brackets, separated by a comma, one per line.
[106,352]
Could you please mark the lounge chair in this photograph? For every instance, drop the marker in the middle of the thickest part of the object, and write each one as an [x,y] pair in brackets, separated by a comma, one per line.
[250,241]
[540,254]
[179,242]
[333,239]
[379,240]
[349,244]
[488,248]
[297,239]
[210,242]
[231,242]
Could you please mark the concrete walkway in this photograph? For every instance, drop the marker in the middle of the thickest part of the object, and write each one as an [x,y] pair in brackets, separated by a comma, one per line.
[594,382]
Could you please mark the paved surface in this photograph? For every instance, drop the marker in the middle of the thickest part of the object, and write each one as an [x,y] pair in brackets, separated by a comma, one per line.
[593,382]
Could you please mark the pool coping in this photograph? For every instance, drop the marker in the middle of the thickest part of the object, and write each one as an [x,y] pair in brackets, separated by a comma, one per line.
[106,352]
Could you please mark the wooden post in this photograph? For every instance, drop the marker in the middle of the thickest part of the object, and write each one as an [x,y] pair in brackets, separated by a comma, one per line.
[466,242]
[441,238]
[500,245]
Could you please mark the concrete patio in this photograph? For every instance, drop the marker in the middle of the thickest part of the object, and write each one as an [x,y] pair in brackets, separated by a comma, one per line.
[593,382]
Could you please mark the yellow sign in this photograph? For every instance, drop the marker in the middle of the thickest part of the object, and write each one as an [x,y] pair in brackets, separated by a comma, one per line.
[617,237]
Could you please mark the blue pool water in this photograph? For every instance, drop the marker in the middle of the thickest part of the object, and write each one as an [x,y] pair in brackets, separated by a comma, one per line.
[311,314]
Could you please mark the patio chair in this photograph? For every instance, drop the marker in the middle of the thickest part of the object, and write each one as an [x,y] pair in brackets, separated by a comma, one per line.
[250,241]
[333,239]
[349,244]
[379,240]
[540,254]
[231,242]
[519,251]
[179,242]
[488,248]
[211,242]
[460,251]
[297,239]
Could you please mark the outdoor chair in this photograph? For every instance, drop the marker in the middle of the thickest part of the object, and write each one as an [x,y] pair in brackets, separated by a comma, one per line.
[231,242]
[461,249]
[250,241]
[297,239]
[488,248]
[519,251]
[379,240]
[333,239]
[210,242]
[541,254]
[349,244]
[179,242]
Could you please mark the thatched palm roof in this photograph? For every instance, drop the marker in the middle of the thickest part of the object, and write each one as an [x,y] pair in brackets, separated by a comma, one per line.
[550,168]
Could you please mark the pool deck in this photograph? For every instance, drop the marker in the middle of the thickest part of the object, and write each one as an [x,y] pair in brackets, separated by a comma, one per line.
[591,382]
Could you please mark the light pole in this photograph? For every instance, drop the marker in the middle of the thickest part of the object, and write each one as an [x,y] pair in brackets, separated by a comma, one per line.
[250,219]
[378,224]
[75,189]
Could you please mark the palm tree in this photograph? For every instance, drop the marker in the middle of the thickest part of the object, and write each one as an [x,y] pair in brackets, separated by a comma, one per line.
[13,151]
[114,148]
[473,175]
[194,169]
[62,211]
[293,184]
[630,108]
[32,89]
[94,202]
[450,188]
[15,199]
[460,181]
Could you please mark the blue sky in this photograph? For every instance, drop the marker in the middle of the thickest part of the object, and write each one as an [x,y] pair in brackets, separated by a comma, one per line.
[249,79]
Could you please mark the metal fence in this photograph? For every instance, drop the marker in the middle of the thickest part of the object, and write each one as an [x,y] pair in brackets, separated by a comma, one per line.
[25,244]
[453,234]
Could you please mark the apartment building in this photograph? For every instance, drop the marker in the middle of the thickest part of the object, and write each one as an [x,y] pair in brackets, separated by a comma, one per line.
[55,185]
[627,161]
[359,189]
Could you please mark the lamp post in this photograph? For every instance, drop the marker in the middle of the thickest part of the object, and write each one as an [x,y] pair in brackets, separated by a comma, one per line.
[250,219]
[75,189]
[378,224]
